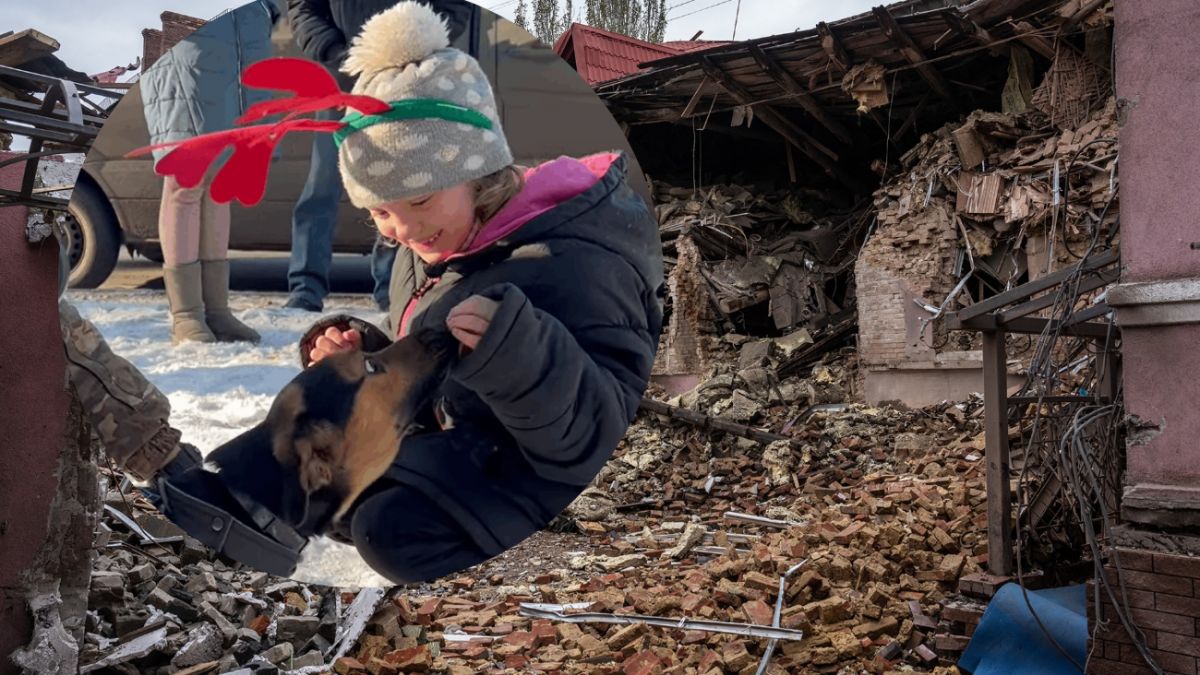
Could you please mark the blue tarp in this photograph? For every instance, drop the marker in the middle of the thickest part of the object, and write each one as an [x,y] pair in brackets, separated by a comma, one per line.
[1008,639]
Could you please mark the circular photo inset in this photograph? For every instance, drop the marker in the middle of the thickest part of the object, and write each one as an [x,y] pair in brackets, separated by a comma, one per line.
[516,280]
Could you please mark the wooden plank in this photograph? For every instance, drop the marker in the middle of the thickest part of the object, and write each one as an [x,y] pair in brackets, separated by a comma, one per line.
[911,51]
[1036,286]
[964,26]
[25,46]
[983,196]
[691,104]
[833,47]
[1025,33]
[911,120]
[1090,282]
[1087,9]
[1028,325]
[802,95]
[720,424]
[999,496]
[773,119]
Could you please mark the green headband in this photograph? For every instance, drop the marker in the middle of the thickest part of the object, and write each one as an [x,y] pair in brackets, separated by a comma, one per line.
[415,108]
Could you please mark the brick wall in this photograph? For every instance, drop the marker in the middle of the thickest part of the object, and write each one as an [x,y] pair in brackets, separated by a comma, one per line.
[910,256]
[151,47]
[1163,593]
[882,331]
[175,27]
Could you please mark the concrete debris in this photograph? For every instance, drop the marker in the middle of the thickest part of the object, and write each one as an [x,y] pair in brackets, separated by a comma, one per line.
[52,649]
[203,646]
[135,648]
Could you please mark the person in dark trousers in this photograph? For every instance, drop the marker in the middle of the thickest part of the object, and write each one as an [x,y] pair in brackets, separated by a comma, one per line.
[550,277]
[324,29]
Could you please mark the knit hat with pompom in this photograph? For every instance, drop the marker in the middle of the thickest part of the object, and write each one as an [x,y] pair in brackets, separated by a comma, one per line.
[443,128]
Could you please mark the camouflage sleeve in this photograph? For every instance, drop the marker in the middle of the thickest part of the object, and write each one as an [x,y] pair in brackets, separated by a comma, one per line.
[130,415]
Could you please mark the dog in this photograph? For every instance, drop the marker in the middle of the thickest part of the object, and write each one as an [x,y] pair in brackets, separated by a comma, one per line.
[331,432]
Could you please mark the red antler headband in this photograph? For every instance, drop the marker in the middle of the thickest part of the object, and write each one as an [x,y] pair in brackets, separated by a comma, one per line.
[244,176]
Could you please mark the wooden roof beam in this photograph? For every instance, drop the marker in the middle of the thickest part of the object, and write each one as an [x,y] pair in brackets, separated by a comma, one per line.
[1027,34]
[911,51]
[802,95]
[824,157]
[833,47]
[964,26]
[804,141]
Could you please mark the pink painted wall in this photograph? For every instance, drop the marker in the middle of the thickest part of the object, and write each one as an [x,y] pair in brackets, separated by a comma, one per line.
[1158,74]
[1164,391]
[32,423]
[1158,61]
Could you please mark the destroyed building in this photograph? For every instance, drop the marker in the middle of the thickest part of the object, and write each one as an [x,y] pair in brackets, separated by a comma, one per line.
[868,152]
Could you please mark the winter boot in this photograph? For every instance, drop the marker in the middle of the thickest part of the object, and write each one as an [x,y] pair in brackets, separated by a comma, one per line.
[186,299]
[220,320]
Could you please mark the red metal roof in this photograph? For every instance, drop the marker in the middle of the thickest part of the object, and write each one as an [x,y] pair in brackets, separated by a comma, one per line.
[694,45]
[600,55]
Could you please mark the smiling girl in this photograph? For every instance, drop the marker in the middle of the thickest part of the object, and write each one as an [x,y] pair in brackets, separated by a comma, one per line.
[549,276]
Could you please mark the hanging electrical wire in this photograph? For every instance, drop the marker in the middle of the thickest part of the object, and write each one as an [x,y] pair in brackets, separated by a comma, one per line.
[702,9]
[1086,450]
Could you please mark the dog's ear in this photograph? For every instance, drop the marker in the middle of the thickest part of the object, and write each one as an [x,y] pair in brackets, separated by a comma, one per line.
[318,450]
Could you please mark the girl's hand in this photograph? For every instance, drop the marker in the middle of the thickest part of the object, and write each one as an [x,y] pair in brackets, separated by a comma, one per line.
[469,319]
[334,341]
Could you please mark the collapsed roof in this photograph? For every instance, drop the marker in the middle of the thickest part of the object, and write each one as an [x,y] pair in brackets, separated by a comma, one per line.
[839,92]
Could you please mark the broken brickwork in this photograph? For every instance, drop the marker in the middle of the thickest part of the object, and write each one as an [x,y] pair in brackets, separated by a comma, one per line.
[175,27]
[683,350]
[983,205]
[909,258]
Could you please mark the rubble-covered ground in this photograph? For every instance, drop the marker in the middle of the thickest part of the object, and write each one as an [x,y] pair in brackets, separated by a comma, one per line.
[883,506]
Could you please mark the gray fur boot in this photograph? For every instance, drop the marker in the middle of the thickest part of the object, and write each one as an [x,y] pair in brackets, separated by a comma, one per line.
[186,299]
[220,320]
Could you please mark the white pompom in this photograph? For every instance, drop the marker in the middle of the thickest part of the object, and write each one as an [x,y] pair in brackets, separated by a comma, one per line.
[399,35]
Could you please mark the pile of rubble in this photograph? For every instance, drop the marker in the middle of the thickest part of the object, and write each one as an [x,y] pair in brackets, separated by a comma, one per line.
[161,602]
[883,507]
[759,261]
[984,205]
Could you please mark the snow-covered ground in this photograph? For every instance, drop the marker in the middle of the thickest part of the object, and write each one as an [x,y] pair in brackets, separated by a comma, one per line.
[218,391]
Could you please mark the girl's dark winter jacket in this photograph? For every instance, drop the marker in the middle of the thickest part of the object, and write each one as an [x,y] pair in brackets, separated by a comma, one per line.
[541,403]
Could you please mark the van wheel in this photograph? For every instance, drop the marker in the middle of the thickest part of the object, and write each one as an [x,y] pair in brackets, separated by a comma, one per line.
[93,236]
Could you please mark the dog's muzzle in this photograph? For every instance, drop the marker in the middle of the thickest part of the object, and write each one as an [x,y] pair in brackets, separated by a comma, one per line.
[209,512]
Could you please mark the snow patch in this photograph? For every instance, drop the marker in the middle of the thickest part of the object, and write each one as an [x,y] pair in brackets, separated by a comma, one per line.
[218,391]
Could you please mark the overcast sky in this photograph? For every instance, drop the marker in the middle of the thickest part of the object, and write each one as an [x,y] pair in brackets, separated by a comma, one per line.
[99,36]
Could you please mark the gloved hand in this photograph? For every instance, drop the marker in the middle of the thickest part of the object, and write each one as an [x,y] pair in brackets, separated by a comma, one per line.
[197,501]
